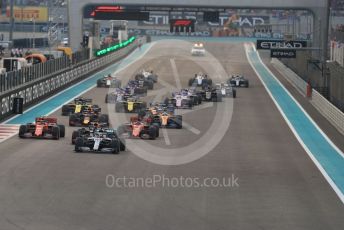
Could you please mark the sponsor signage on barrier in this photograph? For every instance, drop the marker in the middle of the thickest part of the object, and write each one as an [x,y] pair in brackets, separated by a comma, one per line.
[279,44]
[115,47]
[280,53]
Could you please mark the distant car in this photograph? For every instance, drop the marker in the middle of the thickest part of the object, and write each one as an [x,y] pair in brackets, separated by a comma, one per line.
[109,82]
[211,94]
[44,127]
[147,75]
[198,49]
[161,117]
[200,79]
[86,118]
[79,105]
[131,105]
[99,140]
[138,129]
[238,81]
[226,90]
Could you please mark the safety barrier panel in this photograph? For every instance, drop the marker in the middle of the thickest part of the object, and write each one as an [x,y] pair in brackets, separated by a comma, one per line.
[291,76]
[332,113]
[36,90]
[326,108]
[337,52]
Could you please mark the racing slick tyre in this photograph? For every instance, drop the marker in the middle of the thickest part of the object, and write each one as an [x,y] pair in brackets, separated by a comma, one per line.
[62,130]
[191,81]
[75,135]
[115,144]
[218,97]
[190,104]
[157,127]
[150,85]
[72,119]
[179,121]
[55,132]
[122,145]
[119,107]
[104,118]
[152,131]
[234,93]
[246,85]
[99,83]
[79,143]
[154,78]
[66,110]
[22,131]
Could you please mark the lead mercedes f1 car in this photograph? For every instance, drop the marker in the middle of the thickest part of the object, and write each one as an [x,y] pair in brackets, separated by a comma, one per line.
[99,140]
[109,82]
[238,81]
[79,105]
[44,128]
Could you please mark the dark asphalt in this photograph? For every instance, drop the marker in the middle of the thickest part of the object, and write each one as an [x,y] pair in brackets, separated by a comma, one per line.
[45,185]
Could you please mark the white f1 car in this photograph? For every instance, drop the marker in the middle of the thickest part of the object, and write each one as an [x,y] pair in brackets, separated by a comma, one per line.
[198,49]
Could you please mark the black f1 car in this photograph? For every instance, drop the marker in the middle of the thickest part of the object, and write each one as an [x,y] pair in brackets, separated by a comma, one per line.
[125,93]
[44,128]
[238,81]
[98,140]
[131,105]
[87,118]
[211,94]
[109,82]
[79,105]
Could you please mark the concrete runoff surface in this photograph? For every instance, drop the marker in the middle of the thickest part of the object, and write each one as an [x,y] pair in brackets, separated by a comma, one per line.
[45,185]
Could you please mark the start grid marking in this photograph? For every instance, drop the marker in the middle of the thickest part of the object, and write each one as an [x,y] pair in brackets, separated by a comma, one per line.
[8,131]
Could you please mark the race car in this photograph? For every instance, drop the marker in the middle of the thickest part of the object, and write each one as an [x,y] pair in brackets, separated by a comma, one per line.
[87,130]
[144,81]
[211,94]
[138,129]
[79,105]
[109,82]
[198,49]
[131,105]
[44,127]
[147,75]
[181,101]
[200,79]
[122,94]
[163,119]
[99,140]
[86,118]
[238,81]
[226,90]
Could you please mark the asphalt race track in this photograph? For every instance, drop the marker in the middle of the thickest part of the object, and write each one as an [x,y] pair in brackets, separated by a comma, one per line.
[44,184]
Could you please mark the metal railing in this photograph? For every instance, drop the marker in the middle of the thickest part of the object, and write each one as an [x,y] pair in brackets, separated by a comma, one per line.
[325,107]
[14,79]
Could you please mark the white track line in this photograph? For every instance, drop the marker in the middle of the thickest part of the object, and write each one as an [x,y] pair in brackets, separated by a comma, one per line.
[316,162]
[175,73]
